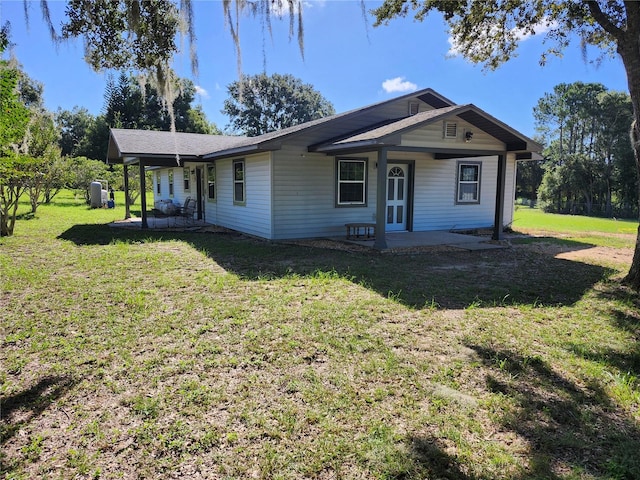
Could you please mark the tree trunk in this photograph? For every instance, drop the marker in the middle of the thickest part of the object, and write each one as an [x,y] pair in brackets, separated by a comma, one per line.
[633,277]
[630,53]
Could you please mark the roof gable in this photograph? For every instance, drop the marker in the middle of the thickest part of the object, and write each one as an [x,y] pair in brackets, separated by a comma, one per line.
[360,118]
[390,133]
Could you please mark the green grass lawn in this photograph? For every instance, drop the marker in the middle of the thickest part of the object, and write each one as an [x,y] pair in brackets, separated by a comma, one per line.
[599,231]
[129,354]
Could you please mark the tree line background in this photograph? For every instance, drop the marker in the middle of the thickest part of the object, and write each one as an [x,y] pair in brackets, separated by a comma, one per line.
[589,166]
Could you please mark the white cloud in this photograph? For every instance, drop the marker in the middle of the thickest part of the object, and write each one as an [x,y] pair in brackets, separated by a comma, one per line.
[454,47]
[539,29]
[202,92]
[282,8]
[398,84]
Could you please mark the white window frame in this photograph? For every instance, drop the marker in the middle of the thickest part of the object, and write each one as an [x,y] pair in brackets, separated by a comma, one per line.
[158,183]
[340,162]
[186,179]
[171,186]
[242,182]
[460,182]
[211,168]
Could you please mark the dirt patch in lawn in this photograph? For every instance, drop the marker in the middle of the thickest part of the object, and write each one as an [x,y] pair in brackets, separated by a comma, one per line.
[600,254]
[582,253]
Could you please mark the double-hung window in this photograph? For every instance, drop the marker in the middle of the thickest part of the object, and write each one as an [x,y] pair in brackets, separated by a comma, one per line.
[239,182]
[171,183]
[468,182]
[186,176]
[158,183]
[211,182]
[351,181]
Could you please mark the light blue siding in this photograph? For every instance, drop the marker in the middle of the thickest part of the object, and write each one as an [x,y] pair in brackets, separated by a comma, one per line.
[304,189]
[254,216]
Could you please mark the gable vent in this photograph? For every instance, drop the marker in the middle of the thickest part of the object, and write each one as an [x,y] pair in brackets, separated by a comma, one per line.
[450,130]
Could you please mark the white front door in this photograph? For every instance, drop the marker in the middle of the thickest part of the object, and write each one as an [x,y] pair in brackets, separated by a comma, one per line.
[397,180]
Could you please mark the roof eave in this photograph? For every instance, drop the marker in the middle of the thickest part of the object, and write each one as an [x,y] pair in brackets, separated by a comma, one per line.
[233,152]
[337,147]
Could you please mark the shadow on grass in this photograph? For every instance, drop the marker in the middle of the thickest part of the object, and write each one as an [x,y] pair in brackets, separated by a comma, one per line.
[623,311]
[431,459]
[440,278]
[26,216]
[568,427]
[568,245]
[19,409]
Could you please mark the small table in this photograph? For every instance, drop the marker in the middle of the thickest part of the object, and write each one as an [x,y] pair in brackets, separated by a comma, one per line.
[360,230]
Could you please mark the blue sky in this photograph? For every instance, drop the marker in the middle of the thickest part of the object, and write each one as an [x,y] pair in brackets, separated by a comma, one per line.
[346,59]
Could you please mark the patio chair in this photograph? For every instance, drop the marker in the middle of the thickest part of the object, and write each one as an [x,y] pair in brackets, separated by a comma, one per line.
[188,210]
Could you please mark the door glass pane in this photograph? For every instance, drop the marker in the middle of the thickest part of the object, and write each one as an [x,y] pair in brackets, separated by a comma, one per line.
[389,214]
[399,214]
[390,187]
[401,189]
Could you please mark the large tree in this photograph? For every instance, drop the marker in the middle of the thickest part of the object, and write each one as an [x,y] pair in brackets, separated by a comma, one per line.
[489,32]
[14,121]
[586,130]
[74,126]
[260,104]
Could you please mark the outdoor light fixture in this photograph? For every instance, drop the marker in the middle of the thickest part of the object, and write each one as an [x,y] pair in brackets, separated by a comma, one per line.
[468,136]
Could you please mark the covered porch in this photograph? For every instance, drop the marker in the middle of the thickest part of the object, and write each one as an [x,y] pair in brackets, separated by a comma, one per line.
[395,241]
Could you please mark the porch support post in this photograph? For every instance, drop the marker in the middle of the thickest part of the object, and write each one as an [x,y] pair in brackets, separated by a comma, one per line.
[500,191]
[381,201]
[143,195]
[127,209]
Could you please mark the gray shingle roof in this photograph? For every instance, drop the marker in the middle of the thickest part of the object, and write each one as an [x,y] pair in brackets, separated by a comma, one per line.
[145,143]
[150,143]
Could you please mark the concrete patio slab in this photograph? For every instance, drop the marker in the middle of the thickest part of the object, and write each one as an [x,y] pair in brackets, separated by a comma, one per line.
[165,223]
[405,240]
[395,240]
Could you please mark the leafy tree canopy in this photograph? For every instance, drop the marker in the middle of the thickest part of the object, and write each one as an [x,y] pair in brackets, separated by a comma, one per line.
[14,114]
[141,35]
[489,31]
[260,104]
[124,34]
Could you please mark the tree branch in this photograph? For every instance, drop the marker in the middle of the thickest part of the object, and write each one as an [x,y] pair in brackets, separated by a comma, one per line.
[604,21]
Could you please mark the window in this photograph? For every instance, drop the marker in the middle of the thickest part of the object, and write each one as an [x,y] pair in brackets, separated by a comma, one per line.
[413,108]
[450,130]
[171,183]
[238,182]
[352,182]
[158,178]
[468,183]
[211,182]
[186,176]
